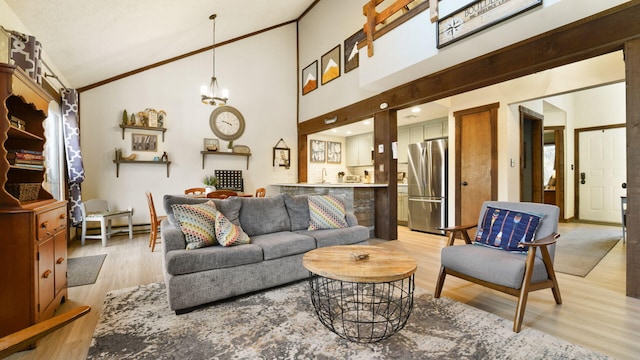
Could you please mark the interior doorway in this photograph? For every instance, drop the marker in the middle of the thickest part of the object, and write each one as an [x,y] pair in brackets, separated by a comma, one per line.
[554,167]
[531,154]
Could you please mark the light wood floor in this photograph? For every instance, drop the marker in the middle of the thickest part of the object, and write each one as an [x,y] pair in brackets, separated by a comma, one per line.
[595,312]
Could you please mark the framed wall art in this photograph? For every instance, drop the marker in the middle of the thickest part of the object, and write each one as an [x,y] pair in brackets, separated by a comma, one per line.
[144,142]
[281,157]
[318,152]
[334,152]
[330,65]
[310,78]
[351,55]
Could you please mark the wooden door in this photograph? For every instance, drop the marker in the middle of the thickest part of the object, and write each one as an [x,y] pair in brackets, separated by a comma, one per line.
[476,160]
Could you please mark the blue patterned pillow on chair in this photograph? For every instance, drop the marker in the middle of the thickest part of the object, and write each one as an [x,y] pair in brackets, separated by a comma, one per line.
[507,229]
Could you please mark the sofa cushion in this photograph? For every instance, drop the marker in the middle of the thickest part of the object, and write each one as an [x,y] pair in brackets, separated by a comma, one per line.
[347,236]
[326,212]
[264,215]
[180,262]
[227,233]
[197,223]
[506,229]
[284,243]
[298,209]
[229,207]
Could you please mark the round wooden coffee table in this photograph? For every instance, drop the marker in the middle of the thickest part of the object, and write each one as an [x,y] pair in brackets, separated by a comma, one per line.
[362,293]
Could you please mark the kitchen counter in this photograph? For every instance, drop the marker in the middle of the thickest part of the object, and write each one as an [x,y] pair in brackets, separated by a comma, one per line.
[360,198]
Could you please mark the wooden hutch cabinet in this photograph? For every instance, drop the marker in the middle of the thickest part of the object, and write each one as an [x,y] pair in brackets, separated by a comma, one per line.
[33,228]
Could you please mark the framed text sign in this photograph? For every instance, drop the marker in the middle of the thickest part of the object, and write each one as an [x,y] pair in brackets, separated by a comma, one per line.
[477,16]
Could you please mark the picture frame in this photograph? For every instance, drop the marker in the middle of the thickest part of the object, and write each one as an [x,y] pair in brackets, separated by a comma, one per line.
[282,157]
[310,78]
[334,152]
[318,153]
[351,54]
[330,65]
[144,142]
[211,144]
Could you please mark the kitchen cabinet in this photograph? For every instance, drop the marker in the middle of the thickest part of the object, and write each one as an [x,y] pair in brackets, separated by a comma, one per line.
[403,142]
[416,134]
[403,205]
[33,244]
[359,150]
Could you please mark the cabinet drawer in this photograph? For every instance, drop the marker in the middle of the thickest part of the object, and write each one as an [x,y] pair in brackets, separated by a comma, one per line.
[51,222]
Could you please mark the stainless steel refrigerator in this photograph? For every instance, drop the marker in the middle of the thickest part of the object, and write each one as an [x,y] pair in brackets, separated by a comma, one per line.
[427,185]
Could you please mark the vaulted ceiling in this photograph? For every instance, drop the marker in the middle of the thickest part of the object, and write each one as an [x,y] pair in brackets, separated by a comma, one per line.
[93,40]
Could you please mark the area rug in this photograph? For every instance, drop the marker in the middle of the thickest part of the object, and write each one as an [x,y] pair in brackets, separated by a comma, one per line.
[280,323]
[581,249]
[84,270]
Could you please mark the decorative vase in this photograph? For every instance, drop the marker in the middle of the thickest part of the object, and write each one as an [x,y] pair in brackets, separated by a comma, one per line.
[209,189]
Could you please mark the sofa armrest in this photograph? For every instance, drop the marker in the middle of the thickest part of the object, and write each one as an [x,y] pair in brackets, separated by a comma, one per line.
[352,220]
[172,237]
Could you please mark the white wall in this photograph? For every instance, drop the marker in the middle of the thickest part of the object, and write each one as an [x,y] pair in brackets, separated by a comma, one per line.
[262,87]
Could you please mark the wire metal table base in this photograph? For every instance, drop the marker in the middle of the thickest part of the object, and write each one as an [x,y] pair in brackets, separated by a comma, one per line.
[362,312]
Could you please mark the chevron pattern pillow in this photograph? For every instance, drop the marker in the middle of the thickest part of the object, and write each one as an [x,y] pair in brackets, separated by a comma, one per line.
[197,223]
[227,233]
[326,212]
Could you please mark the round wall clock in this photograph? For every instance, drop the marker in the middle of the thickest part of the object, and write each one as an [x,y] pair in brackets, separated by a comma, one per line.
[226,122]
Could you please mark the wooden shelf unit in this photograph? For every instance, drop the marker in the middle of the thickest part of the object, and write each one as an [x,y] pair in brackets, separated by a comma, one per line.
[33,243]
[222,153]
[118,162]
[123,127]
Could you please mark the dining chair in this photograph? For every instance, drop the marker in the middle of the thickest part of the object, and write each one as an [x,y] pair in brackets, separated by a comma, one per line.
[221,194]
[195,191]
[155,221]
[261,192]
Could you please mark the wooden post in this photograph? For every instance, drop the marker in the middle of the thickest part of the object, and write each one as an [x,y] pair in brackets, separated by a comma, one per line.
[632,76]
[385,170]
[433,9]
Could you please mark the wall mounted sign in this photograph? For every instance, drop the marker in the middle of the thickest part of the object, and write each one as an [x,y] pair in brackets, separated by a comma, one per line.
[478,16]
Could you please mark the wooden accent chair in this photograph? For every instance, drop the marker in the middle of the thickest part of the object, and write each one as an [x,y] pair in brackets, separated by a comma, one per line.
[26,338]
[195,191]
[261,192]
[155,221]
[514,273]
[221,194]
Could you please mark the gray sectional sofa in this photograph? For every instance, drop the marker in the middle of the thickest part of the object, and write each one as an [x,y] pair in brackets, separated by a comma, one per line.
[277,227]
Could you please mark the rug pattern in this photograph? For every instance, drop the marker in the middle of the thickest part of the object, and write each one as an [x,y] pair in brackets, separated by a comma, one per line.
[136,323]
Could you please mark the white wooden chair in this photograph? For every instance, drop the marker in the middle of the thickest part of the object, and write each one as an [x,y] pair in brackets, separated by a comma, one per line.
[100,211]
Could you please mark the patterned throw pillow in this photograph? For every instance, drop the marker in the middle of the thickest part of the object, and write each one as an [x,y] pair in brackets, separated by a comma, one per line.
[227,233]
[197,223]
[506,229]
[326,212]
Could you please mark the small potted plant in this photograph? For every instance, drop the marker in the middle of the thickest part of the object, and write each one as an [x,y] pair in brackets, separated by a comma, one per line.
[230,146]
[340,176]
[210,183]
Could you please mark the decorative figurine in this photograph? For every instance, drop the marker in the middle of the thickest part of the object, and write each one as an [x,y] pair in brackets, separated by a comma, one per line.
[125,117]
[165,157]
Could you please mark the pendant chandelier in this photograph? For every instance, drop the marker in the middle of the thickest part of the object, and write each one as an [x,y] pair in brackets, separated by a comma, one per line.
[212,95]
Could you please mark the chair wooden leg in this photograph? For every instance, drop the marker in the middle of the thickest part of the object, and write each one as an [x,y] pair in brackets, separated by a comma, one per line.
[440,282]
[524,290]
[548,264]
[154,236]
